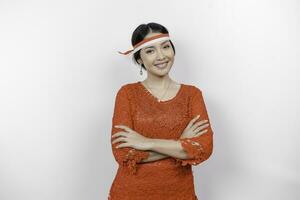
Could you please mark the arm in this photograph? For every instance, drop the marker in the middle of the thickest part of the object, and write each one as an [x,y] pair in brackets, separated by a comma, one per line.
[168,147]
[198,148]
[154,156]
[127,157]
[194,150]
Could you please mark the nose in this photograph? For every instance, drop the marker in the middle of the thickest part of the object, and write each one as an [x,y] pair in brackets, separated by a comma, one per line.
[160,55]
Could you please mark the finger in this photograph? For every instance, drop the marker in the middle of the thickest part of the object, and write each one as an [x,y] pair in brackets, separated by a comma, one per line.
[125,144]
[202,122]
[121,133]
[126,128]
[201,132]
[192,121]
[199,128]
[119,139]
[117,134]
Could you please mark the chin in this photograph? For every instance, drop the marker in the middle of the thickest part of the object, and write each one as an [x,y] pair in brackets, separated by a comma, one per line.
[162,72]
[158,70]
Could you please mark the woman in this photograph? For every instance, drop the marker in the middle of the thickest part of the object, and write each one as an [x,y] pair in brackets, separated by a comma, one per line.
[160,128]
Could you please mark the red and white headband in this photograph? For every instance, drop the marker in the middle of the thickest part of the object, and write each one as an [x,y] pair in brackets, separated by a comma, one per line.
[146,42]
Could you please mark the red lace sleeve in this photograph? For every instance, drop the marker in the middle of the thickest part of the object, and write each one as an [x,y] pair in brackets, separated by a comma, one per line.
[125,156]
[198,148]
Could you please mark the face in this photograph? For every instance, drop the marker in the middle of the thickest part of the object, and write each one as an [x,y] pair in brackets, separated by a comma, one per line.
[158,58]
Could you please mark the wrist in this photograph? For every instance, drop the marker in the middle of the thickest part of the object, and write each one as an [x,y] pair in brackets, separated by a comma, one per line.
[150,143]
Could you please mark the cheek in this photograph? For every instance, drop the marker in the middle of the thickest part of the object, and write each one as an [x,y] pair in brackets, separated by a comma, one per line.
[170,53]
[150,59]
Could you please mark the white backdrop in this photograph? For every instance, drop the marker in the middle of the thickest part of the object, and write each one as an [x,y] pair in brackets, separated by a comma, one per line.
[60,71]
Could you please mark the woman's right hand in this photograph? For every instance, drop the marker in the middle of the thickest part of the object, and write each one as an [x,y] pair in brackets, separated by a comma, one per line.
[195,129]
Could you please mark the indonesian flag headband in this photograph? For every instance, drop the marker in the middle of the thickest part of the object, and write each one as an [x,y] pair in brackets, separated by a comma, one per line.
[146,42]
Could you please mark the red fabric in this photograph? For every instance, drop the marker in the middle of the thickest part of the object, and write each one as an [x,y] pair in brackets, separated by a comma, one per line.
[169,178]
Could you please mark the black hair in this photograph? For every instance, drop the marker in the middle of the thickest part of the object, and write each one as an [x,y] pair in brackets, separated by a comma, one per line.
[140,33]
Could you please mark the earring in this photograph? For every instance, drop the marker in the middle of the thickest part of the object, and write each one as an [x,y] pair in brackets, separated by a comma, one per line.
[141,71]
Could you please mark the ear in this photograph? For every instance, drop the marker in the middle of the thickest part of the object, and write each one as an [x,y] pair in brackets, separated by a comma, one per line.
[140,61]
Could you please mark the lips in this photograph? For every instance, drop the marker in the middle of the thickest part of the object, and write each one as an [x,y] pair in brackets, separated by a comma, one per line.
[161,65]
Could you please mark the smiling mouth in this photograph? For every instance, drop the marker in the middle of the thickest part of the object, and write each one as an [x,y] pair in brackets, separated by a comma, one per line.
[162,65]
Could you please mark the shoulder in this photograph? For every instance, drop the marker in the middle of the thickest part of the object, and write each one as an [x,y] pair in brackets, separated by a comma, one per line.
[193,89]
[125,86]
[125,89]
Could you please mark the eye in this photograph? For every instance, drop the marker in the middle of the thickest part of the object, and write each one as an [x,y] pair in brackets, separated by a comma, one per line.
[167,46]
[148,51]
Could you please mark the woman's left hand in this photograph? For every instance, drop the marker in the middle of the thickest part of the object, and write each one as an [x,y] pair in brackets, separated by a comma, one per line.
[131,138]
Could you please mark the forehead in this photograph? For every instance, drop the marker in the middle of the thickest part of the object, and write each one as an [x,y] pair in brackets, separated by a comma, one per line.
[157,44]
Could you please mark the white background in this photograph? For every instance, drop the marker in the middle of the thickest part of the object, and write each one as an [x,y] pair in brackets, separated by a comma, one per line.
[60,71]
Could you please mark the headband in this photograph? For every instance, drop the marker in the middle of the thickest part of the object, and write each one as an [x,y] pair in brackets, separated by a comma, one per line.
[146,42]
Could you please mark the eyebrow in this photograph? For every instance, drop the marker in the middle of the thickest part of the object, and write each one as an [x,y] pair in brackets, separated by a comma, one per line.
[160,44]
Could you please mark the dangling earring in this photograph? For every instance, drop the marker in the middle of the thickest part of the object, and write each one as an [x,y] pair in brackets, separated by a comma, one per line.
[141,71]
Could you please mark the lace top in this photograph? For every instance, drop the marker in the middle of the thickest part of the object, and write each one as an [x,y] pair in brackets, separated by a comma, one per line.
[166,179]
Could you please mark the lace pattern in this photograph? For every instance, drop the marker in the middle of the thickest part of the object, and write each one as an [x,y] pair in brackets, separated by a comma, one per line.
[198,148]
[132,158]
[126,156]
[170,178]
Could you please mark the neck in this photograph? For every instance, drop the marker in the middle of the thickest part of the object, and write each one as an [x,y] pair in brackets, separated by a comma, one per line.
[158,82]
